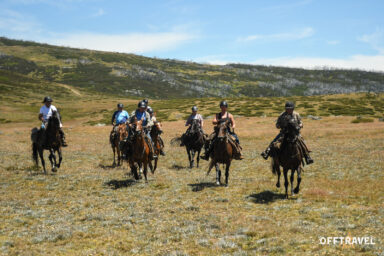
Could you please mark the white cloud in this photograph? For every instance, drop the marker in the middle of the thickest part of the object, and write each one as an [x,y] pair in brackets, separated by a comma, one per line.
[333,42]
[15,23]
[364,62]
[294,35]
[128,43]
[376,40]
[100,12]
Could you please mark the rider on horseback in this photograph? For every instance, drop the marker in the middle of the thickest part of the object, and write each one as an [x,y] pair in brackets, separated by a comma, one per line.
[281,124]
[141,114]
[153,120]
[193,116]
[46,112]
[223,116]
[120,116]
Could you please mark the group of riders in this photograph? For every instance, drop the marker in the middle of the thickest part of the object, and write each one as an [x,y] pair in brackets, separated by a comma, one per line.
[145,113]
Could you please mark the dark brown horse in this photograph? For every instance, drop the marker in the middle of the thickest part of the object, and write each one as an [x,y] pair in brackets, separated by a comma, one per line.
[290,156]
[194,141]
[222,152]
[159,145]
[118,134]
[47,139]
[140,152]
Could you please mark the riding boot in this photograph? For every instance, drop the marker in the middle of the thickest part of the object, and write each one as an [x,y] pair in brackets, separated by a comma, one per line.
[62,136]
[266,153]
[207,152]
[308,159]
[162,152]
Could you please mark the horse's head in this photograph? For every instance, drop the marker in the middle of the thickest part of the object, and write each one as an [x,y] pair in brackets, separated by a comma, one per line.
[122,129]
[222,130]
[292,130]
[195,126]
[54,120]
[139,126]
[158,127]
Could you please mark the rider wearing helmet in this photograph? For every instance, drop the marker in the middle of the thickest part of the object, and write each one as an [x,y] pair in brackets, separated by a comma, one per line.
[46,112]
[223,116]
[141,114]
[194,115]
[281,123]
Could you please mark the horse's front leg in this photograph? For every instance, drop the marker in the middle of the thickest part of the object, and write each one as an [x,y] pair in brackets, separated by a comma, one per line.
[60,157]
[227,172]
[192,158]
[198,158]
[114,156]
[41,155]
[134,170]
[118,155]
[297,189]
[145,171]
[278,177]
[52,159]
[189,156]
[292,177]
[218,175]
[285,171]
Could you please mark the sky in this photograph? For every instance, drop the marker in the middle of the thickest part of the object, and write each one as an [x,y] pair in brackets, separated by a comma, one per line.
[293,33]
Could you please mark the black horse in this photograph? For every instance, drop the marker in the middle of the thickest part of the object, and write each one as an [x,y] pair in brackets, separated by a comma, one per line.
[194,141]
[48,139]
[289,155]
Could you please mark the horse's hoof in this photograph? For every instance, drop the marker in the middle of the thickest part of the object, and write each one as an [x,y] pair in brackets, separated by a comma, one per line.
[296,190]
[278,185]
[54,169]
[218,183]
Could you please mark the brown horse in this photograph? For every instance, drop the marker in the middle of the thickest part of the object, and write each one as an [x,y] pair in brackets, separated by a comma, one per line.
[159,144]
[47,139]
[290,157]
[140,151]
[118,134]
[194,141]
[222,152]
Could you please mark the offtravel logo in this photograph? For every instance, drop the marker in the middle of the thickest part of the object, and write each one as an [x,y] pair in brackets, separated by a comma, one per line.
[347,241]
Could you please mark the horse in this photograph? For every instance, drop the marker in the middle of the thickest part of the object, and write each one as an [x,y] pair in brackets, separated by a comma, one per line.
[116,137]
[290,157]
[140,151]
[155,135]
[47,139]
[194,140]
[222,152]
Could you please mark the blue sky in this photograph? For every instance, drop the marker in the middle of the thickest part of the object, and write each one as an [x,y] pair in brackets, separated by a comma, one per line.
[297,33]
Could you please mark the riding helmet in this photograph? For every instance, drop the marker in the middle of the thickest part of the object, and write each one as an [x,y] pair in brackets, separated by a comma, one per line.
[47,99]
[223,104]
[146,101]
[120,105]
[150,110]
[194,108]
[290,105]
[142,104]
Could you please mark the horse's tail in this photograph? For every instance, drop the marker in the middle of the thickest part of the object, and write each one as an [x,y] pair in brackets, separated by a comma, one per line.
[175,141]
[274,165]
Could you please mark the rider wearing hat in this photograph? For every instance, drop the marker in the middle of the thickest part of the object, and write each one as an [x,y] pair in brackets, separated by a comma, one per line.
[120,116]
[223,116]
[281,123]
[194,115]
[46,112]
[153,120]
[141,114]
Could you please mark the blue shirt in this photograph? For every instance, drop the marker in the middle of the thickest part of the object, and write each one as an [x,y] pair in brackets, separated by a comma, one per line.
[143,116]
[120,116]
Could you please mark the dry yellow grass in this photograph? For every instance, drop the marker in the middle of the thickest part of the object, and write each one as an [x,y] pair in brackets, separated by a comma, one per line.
[88,208]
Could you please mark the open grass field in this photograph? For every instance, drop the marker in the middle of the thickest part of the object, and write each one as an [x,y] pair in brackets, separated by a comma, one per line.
[89,208]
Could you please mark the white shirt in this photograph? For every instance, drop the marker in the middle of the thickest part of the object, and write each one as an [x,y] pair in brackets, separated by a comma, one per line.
[47,112]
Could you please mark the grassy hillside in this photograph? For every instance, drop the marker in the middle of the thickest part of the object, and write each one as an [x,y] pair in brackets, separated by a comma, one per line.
[133,75]
[89,208]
